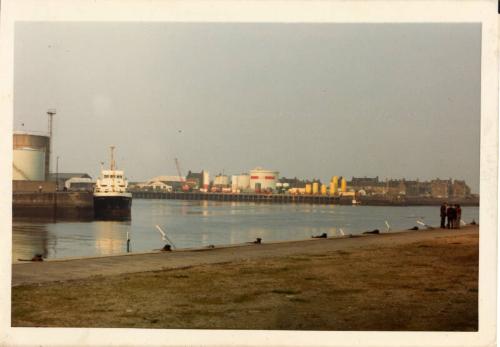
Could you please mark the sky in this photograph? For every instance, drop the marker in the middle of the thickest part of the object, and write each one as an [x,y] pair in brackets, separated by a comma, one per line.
[308,100]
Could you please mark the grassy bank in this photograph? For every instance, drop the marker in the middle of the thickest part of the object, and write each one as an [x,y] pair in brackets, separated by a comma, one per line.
[429,285]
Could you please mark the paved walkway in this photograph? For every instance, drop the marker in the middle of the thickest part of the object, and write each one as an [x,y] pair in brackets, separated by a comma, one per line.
[62,270]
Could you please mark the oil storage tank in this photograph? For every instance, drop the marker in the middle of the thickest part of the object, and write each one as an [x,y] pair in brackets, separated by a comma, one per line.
[266,179]
[205,179]
[30,157]
[240,182]
[244,181]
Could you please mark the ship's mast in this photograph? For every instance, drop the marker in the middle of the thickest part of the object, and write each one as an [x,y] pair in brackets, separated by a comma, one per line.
[112,163]
[112,168]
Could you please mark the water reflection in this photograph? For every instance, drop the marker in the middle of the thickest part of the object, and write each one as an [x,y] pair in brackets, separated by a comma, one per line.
[111,237]
[31,239]
[202,223]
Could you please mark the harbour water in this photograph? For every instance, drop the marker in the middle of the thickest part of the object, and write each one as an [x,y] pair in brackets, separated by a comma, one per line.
[191,224]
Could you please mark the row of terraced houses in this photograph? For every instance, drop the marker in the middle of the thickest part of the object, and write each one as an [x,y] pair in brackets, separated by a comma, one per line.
[437,188]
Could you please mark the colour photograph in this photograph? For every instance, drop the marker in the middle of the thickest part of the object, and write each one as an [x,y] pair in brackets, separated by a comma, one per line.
[245,175]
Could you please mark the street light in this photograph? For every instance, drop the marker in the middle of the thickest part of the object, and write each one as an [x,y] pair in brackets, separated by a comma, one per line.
[50,112]
[57,173]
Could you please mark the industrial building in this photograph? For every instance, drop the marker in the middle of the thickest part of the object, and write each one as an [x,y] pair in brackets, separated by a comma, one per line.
[194,179]
[198,180]
[165,183]
[293,182]
[65,179]
[263,180]
[79,184]
[221,181]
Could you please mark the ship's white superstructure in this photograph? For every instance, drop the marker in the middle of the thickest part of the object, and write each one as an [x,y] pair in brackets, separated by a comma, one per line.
[111,183]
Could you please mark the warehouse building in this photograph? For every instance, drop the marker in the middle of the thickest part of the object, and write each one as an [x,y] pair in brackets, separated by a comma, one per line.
[66,179]
[164,183]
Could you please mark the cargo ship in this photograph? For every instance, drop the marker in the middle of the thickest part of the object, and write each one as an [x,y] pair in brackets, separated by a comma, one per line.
[112,201]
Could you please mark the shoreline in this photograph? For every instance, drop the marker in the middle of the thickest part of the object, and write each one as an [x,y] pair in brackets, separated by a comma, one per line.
[83,267]
[410,281]
[199,249]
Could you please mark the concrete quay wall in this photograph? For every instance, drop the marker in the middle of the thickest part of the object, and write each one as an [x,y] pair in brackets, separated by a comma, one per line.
[306,199]
[56,205]
[266,198]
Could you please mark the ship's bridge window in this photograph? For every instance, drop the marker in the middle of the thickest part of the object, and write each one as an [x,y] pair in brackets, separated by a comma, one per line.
[106,176]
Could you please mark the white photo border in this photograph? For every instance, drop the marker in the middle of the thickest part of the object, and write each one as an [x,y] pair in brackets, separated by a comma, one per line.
[374,11]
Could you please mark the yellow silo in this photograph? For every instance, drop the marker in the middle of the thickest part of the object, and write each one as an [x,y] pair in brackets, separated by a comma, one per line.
[308,188]
[315,187]
[332,189]
[335,185]
[323,189]
[343,185]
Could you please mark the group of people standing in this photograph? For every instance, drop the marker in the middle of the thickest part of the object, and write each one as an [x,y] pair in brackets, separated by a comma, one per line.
[450,216]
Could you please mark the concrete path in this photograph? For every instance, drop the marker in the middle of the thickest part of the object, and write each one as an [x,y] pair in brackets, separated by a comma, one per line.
[63,270]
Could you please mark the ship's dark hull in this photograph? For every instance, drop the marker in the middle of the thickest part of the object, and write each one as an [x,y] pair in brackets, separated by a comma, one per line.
[112,207]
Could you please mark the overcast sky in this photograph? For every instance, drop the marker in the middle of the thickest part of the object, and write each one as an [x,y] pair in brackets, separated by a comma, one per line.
[309,100]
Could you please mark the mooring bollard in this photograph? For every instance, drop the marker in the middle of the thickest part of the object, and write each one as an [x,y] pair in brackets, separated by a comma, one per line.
[128,242]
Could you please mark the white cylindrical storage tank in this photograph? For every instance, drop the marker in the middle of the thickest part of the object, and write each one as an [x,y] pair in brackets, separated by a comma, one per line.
[29,164]
[266,179]
[243,181]
[28,148]
[234,183]
[206,179]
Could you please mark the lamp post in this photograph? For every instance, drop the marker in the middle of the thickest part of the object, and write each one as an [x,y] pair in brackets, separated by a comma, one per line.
[57,173]
[50,112]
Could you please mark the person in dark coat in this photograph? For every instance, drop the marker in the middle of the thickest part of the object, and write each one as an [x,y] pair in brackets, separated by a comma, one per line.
[453,214]
[444,206]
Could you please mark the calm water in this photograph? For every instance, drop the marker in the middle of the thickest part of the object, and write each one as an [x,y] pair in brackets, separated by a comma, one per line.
[202,223]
